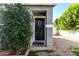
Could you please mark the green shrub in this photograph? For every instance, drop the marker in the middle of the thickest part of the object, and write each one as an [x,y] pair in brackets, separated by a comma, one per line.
[69,20]
[17,27]
[75,50]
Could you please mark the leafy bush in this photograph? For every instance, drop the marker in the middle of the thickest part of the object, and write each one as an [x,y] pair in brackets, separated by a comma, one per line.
[69,20]
[17,27]
[75,50]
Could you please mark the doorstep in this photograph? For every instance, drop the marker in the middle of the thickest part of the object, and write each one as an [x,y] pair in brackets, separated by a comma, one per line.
[39,48]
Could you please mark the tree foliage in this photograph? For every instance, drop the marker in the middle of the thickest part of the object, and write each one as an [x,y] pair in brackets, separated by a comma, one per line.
[17,27]
[69,20]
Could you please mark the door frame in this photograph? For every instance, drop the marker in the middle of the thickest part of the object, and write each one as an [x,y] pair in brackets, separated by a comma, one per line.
[44,27]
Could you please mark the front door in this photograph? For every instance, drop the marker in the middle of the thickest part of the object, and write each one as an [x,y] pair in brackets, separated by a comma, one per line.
[39,29]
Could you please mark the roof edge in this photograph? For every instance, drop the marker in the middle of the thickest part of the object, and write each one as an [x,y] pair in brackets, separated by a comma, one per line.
[35,4]
[44,4]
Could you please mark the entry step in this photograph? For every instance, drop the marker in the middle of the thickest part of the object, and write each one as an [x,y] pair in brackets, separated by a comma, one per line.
[37,43]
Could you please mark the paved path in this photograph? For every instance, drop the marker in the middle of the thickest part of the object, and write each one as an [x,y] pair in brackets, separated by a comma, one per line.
[61,47]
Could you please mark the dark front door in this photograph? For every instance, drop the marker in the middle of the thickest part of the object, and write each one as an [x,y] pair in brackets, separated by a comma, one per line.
[39,28]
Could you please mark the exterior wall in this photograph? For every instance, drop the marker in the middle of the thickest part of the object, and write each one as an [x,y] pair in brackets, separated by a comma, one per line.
[55,31]
[49,30]
[70,35]
[49,20]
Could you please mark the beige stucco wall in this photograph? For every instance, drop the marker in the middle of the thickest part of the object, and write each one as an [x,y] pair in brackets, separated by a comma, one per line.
[70,35]
[49,19]
[55,31]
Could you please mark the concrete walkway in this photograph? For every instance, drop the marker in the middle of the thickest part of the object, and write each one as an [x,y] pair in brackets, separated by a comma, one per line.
[61,47]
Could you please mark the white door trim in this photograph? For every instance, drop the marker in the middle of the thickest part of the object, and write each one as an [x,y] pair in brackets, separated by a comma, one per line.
[39,16]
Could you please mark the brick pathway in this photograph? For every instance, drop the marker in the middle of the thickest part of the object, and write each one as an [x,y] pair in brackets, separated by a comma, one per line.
[61,47]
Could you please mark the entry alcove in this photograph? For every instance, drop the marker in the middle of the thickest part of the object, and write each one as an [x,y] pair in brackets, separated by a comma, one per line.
[40,30]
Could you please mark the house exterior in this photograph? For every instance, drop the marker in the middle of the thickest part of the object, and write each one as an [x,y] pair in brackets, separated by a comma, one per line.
[41,26]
